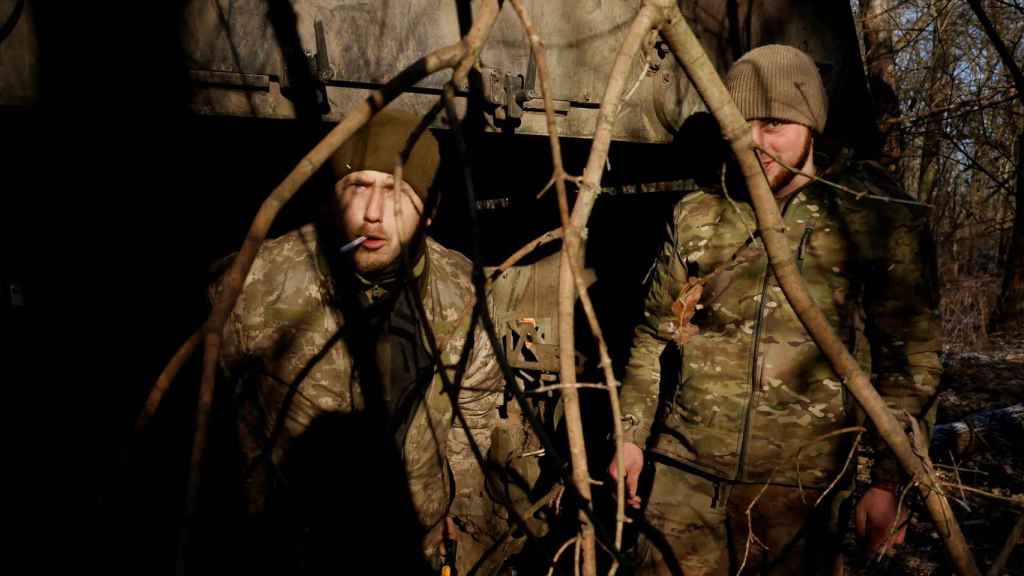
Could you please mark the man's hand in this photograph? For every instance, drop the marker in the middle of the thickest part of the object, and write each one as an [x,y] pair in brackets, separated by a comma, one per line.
[875,518]
[632,464]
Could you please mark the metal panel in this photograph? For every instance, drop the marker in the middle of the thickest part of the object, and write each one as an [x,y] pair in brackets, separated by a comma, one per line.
[366,43]
[19,55]
[233,49]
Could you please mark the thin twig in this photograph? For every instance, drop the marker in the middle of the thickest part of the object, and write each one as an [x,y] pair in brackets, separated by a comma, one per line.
[561,549]
[453,388]
[553,493]
[956,472]
[750,527]
[961,107]
[858,429]
[896,524]
[640,78]
[577,564]
[397,189]
[751,537]
[971,470]
[565,386]
[163,382]
[857,194]
[929,478]
[587,516]
[544,190]
[1019,500]
[849,458]
[480,312]
[996,569]
[571,277]
[1005,55]
[527,248]
[509,262]
[551,182]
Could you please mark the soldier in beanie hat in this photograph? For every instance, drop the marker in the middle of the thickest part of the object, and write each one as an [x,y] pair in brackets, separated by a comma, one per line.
[348,438]
[365,194]
[755,395]
[779,91]
[780,82]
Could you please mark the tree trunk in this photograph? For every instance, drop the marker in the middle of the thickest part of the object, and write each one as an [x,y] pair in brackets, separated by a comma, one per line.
[1009,312]
[879,59]
[938,93]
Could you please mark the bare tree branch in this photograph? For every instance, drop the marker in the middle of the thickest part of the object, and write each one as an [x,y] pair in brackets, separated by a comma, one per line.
[1004,53]
[570,285]
[163,382]
[1004,554]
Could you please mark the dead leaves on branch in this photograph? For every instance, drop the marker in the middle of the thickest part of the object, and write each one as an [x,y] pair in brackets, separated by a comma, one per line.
[683,309]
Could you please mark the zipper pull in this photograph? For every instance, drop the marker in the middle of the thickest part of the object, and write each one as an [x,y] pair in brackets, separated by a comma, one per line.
[808,230]
[760,373]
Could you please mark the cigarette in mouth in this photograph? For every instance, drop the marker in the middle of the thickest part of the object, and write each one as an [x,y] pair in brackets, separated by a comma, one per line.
[353,244]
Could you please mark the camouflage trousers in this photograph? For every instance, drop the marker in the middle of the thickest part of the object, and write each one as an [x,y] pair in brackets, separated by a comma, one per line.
[701,526]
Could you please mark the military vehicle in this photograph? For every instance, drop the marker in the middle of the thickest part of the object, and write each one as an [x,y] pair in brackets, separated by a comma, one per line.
[181,119]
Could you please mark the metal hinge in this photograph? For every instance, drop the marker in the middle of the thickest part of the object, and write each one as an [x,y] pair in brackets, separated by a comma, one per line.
[514,94]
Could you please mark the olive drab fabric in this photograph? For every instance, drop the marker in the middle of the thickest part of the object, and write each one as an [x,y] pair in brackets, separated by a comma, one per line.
[378,145]
[706,527]
[284,326]
[754,386]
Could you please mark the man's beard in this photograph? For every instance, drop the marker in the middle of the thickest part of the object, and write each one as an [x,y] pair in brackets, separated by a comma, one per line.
[386,265]
[785,176]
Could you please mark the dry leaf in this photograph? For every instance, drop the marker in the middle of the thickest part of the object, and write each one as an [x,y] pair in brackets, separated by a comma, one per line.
[684,308]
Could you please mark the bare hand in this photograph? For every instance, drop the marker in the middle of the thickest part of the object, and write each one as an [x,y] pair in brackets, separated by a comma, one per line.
[875,518]
[632,465]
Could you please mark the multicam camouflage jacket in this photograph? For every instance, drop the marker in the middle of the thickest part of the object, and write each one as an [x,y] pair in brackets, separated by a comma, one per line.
[284,320]
[754,386]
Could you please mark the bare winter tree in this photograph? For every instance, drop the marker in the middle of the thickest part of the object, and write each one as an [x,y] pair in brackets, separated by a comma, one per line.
[1010,307]
[952,125]
[879,53]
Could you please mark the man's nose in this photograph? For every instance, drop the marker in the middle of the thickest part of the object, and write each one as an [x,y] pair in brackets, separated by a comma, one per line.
[757,134]
[375,205]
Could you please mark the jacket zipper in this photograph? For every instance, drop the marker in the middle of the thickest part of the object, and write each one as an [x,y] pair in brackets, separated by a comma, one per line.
[756,364]
[808,230]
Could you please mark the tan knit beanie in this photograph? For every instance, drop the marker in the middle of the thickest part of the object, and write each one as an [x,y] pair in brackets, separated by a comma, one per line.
[777,81]
[377,145]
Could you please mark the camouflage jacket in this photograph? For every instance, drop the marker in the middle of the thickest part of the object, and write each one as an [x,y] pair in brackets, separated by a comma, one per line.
[754,386]
[283,320]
